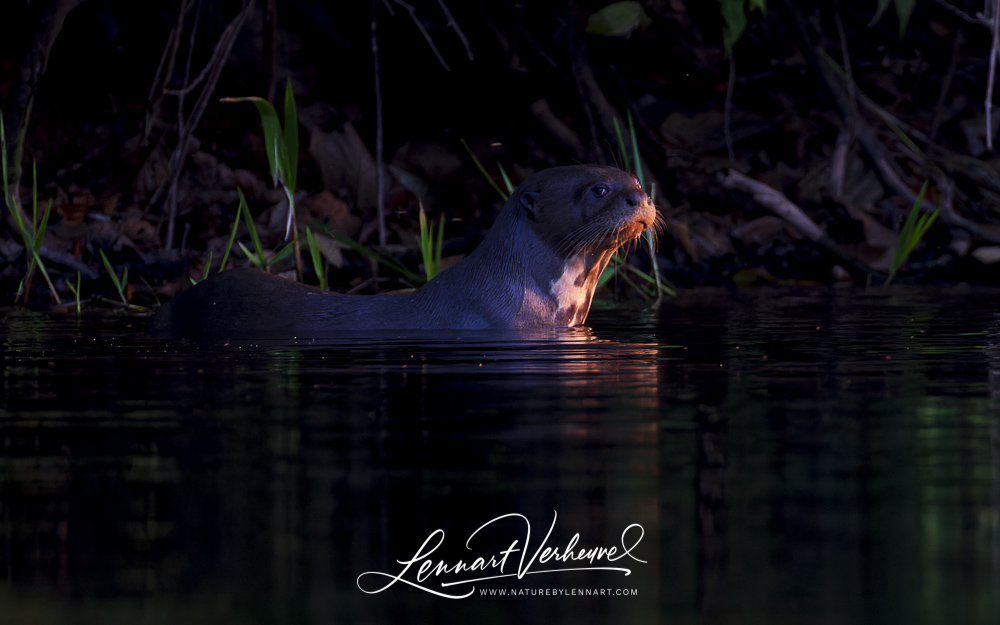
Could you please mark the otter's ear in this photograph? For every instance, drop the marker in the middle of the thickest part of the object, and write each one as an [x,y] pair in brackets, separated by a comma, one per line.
[528,199]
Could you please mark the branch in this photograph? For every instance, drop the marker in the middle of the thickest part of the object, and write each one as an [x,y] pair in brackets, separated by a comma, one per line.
[781,206]
[454,26]
[185,130]
[995,32]
[22,98]
[867,136]
[416,21]
[379,136]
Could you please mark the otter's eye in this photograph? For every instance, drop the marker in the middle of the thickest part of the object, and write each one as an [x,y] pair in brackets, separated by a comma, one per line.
[600,190]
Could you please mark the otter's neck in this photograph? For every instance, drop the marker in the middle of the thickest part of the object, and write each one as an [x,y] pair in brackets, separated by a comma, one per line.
[515,280]
[573,290]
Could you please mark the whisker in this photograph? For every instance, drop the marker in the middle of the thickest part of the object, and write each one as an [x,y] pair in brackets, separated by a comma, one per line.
[581,235]
[592,237]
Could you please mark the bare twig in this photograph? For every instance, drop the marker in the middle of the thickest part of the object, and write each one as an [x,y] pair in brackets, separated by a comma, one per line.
[868,137]
[190,85]
[994,49]
[379,183]
[190,52]
[154,98]
[557,128]
[845,52]
[271,39]
[68,260]
[972,19]
[176,160]
[599,110]
[946,84]
[416,21]
[454,26]
[186,129]
[838,164]
[165,70]
[776,202]
[781,206]
[22,98]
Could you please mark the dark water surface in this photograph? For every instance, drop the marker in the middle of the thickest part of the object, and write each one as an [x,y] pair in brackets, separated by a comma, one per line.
[764,457]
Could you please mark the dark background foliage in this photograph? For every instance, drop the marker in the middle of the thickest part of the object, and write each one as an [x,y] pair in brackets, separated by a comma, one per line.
[526,86]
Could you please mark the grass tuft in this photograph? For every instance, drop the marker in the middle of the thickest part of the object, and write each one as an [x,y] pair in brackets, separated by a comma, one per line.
[655,279]
[75,290]
[914,228]
[120,284]
[431,247]
[282,144]
[319,266]
[33,233]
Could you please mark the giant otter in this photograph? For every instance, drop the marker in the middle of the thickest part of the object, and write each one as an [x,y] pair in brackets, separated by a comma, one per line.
[538,266]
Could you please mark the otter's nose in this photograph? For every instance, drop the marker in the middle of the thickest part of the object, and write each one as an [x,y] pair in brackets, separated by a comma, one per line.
[636,199]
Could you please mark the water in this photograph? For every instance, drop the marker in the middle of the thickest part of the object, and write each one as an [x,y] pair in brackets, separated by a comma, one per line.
[774,456]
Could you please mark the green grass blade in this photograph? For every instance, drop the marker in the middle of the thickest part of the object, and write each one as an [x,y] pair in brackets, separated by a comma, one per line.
[651,244]
[3,165]
[30,247]
[281,144]
[42,226]
[621,145]
[506,180]
[439,248]
[425,245]
[903,247]
[276,158]
[606,276]
[635,151]
[387,261]
[111,271]
[75,290]
[283,253]
[273,141]
[114,276]
[31,251]
[34,194]
[252,227]
[291,139]
[925,223]
[208,266]
[253,258]
[914,228]
[291,211]
[648,236]
[639,273]
[23,228]
[48,280]
[317,258]
[622,149]
[485,173]
[232,234]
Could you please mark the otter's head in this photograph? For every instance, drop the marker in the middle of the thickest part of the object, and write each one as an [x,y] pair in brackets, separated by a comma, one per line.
[585,209]
[583,214]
